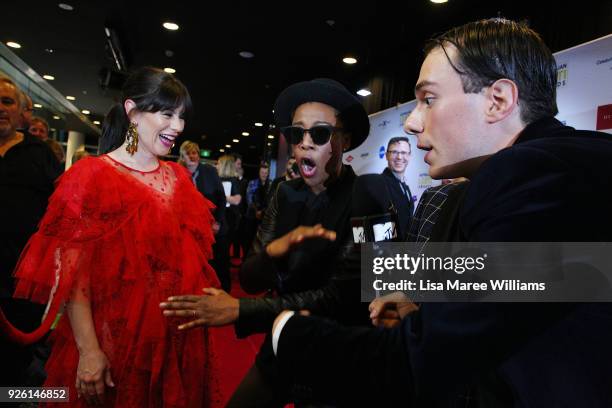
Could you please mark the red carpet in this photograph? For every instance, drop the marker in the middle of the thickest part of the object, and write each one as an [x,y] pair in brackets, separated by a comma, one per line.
[243,351]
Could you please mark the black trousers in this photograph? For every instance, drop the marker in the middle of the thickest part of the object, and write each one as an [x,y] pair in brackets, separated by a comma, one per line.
[221,261]
[344,366]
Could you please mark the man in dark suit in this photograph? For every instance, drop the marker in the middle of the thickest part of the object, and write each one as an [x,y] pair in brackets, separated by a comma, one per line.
[398,157]
[207,181]
[486,101]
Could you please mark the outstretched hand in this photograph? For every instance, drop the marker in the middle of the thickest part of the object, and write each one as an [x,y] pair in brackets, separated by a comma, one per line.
[281,246]
[389,310]
[215,308]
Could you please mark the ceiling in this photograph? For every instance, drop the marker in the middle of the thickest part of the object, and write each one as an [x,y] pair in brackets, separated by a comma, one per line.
[291,41]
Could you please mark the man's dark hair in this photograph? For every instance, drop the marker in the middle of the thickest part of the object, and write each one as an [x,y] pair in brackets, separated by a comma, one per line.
[488,50]
[264,165]
[398,139]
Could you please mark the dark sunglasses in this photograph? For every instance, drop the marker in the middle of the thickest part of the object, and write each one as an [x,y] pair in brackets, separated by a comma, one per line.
[320,134]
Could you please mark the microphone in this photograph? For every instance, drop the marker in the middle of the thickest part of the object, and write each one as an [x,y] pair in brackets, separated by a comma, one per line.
[374,217]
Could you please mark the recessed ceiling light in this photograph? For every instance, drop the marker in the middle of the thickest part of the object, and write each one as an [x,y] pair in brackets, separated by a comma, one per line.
[170,70]
[258,124]
[49,77]
[13,44]
[269,144]
[222,150]
[56,117]
[65,6]
[85,112]
[71,98]
[49,50]
[171,26]
[270,136]
[245,133]
[363,92]
[96,122]
[349,60]
[438,1]
[37,105]
[228,146]
[235,140]
[246,54]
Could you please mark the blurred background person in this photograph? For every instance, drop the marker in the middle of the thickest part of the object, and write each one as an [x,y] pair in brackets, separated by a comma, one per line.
[257,200]
[292,172]
[240,245]
[58,152]
[226,167]
[39,128]
[207,181]
[398,158]
[28,170]
[27,110]
[79,154]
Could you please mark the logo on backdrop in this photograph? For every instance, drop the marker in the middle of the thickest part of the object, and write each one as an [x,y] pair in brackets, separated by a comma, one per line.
[404,116]
[384,123]
[603,61]
[349,158]
[381,152]
[604,117]
[561,75]
[366,154]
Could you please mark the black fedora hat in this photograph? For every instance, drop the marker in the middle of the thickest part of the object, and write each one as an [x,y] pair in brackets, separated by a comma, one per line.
[354,117]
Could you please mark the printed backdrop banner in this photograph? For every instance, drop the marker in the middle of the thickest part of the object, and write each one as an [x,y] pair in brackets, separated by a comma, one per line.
[584,85]
[584,98]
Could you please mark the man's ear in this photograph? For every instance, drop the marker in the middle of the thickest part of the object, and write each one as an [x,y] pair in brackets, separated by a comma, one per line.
[502,100]
[130,108]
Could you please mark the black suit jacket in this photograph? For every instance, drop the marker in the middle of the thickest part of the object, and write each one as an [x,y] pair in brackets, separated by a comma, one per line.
[208,183]
[403,205]
[553,184]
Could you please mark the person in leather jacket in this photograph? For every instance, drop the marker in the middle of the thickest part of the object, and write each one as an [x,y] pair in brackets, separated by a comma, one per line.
[304,236]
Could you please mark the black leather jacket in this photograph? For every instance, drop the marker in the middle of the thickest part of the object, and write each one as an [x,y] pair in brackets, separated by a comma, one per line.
[319,276]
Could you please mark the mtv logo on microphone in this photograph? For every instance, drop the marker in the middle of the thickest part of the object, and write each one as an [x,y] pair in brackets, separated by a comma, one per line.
[359,235]
[384,232]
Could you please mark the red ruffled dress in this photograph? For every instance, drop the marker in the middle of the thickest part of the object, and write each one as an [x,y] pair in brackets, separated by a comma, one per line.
[131,239]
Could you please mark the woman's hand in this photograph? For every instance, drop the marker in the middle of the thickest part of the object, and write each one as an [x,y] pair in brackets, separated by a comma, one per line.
[215,308]
[93,374]
[281,246]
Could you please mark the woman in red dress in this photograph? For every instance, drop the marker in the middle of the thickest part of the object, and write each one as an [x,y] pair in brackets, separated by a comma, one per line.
[122,232]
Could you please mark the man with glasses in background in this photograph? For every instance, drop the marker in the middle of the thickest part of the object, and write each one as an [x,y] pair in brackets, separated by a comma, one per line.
[398,157]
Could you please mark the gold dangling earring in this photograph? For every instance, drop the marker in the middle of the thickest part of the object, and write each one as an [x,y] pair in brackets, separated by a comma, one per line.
[131,137]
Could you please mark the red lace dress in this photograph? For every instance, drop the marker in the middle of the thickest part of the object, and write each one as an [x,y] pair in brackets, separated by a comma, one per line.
[128,240]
